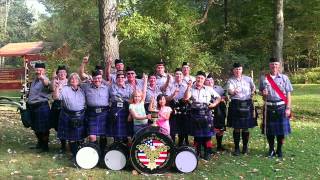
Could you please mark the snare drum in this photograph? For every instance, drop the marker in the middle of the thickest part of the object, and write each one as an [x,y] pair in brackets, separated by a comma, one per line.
[152,150]
[116,156]
[186,159]
[87,156]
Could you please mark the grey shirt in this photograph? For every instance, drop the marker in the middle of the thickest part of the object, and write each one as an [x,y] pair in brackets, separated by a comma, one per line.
[152,93]
[283,83]
[219,90]
[138,86]
[244,84]
[173,86]
[161,79]
[38,92]
[186,79]
[203,95]
[72,100]
[117,92]
[96,96]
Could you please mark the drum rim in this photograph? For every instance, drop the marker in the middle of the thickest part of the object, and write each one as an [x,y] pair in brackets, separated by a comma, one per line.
[97,151]
[139,139]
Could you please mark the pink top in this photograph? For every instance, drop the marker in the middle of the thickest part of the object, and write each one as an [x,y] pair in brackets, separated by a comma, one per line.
[162,122]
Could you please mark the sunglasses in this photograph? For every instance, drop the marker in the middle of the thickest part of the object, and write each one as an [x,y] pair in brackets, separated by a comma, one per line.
[120,77]
[130,73]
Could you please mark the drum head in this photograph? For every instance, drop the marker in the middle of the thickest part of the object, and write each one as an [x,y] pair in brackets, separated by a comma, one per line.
[116,156]
[151,151]
[186,160]
[87,157]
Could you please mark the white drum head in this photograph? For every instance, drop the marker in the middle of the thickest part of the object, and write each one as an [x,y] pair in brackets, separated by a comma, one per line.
[115,160]
[186,161]
[87,157]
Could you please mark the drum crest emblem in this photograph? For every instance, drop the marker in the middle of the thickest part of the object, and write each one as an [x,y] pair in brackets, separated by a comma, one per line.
[153,152]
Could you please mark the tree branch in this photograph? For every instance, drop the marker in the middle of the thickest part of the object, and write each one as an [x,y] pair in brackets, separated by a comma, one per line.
[205,14]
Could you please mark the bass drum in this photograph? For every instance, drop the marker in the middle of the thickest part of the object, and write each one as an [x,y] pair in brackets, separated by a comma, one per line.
[186,159]
[116,156]
[87,156]
[152,150]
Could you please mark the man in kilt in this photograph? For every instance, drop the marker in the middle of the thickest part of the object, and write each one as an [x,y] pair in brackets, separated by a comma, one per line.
[240,113]
[200,113]
[178,121]
[219,111]
[72,116]
[119,66]
[59,79]
[186,73]
[276,90]
[97,99]
[119,127]
[39,108]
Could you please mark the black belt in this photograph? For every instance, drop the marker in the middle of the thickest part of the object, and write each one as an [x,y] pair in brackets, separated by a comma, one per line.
[98,109]
[38,104]
[73,113]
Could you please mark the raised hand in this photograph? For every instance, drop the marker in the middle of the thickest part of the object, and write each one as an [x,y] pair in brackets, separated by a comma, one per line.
[85,59]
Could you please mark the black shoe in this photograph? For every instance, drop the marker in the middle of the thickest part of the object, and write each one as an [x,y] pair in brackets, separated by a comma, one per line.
[279,154]
[245,150]
[74,162]
[271,153]
[37,146]
[236,152]
[206,157]
[220,148]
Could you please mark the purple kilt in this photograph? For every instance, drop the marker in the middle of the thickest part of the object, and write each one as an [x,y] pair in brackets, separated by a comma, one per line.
[118,123]
[277,122]
[202,123]
[97,121]
[40,121]
[238,119]
[67,131]
[55,113]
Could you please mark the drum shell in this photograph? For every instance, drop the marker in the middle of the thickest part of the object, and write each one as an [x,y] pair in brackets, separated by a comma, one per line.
[93,146]
[142,160]
[187,160]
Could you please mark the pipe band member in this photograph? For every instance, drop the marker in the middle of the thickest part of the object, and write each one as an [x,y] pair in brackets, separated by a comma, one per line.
[278,109]
[97,112]
[186,73]
[201,114]
[240,113]
[219,111]
[58,79]
[39,108]
[119,127]
[178,121]
[72,116]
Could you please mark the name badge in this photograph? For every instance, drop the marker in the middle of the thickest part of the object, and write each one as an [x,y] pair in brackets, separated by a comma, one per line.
[119,104]
[98,110]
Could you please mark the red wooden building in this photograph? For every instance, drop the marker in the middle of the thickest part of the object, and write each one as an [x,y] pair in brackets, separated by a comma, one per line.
[14,78]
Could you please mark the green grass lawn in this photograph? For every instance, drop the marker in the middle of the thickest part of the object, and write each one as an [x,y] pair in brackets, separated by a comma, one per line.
[301,152]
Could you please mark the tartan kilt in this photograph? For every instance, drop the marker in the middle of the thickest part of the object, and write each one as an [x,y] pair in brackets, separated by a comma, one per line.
[40,120]
[234,118]
[119,125]
[96,123]
[66,131]
[55,113]
[277,122]
[220,116]
[204,130]
[183,124]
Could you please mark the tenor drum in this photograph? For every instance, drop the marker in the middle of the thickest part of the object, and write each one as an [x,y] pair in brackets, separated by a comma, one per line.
[152,151]
[116,156]
[87,156]
[186,159]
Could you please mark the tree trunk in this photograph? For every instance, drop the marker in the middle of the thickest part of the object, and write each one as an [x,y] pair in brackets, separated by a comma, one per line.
[108,17]
[278,31]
